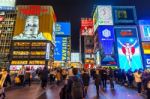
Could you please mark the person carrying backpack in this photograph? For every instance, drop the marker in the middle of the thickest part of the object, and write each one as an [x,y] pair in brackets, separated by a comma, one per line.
[75,87]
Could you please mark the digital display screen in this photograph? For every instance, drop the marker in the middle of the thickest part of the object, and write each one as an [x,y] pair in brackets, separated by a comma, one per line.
[63,28]
[75,57]
[128,48]
[124,14]
[106,39]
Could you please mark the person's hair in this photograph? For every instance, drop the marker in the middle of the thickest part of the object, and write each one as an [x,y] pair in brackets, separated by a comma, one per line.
[75,71]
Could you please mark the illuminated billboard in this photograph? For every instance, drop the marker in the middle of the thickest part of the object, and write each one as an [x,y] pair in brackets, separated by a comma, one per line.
[62,49]
[88,44]
[102,16]
[106,39]
[7,4]
[63,28]
[145,30]
[128,47]
[34,22]
[97,56]
[75,57]
[124,15]
[87,26]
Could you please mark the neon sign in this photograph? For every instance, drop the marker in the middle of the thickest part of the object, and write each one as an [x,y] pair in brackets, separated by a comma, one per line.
[33,10]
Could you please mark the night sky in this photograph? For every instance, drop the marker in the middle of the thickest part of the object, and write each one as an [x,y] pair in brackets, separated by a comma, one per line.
[73,10]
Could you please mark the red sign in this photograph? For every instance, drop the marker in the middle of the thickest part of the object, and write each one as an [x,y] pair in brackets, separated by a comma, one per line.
[1,18]
[33,10]
[126,33]
[87,26]
[88,66]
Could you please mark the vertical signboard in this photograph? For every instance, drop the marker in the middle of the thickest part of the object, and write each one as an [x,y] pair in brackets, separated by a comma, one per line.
[87,26]
[128,48]
[48,47]
[88,44]
[58,49]
[145,30]
[106,38]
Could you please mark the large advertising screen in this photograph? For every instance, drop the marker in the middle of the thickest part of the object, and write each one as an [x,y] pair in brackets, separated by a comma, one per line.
[87,26]
[129,54]
[102,16]
[106,39]
[61,49]
[63,28]
[145,30]
[124,14]
[34,22]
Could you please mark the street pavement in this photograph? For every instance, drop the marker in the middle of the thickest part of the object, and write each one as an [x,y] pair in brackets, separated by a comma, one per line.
[52,92]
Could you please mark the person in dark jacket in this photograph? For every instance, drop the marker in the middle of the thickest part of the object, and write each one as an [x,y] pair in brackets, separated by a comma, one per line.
[97,81]
[28,76]
[148,86]
[104,77]
[85,79]
[44,77]
[73,91]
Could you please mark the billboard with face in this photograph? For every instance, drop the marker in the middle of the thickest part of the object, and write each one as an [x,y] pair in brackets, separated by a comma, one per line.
[87,26]
[34,23]
[106,39]
[129,54]
[88,44]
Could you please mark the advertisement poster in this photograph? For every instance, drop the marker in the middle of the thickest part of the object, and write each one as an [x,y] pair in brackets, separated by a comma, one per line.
[34,22]
[63,28]
[129,54]
[124,14]
[145,30]
[106,39]
[88,44]
[48,47]
[147,61]
[87,27]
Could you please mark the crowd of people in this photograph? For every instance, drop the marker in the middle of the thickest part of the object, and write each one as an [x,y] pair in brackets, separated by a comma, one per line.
[76,81]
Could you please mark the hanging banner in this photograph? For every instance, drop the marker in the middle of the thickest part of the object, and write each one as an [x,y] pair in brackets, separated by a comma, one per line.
[106,39]
[129,54]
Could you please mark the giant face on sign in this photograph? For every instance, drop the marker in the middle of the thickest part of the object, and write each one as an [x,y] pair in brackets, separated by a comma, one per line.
[106,38]
[128,48]
[34,23]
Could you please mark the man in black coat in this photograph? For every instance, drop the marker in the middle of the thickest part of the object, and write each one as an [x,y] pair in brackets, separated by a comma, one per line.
[44,77]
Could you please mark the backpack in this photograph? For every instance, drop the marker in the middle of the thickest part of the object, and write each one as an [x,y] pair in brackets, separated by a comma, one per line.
[77,88]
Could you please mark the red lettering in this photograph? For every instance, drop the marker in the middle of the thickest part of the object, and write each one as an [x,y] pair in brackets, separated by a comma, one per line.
[126,33]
